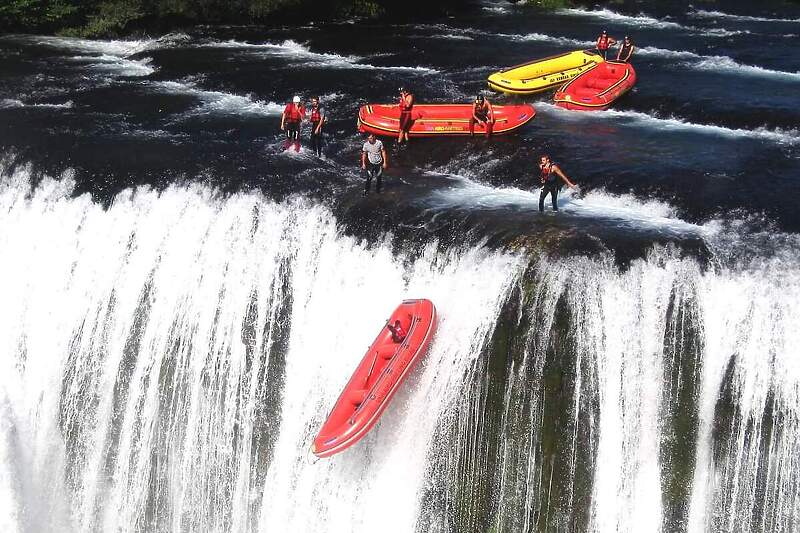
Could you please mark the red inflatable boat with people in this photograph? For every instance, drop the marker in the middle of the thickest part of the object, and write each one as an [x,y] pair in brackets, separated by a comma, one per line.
[399,345]
[597,88]
[441,119]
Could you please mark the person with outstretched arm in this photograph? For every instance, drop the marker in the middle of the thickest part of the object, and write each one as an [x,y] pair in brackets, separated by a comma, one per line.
[604,42]
[550,180]
[481,113]
[626,49]
[373,162]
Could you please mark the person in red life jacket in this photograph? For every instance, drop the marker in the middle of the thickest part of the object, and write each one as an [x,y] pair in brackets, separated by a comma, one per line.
[291,118]
[482,112]
[626,49]
[317,118]
[406,105]
[550,180]
[604,42]
[398,333]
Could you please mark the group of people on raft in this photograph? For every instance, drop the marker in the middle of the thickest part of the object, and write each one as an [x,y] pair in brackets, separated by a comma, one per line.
[373,153]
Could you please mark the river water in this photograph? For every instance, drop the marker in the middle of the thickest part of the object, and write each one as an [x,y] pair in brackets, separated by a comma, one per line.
[183,300]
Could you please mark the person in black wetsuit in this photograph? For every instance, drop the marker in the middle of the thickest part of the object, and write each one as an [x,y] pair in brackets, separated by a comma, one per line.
[626,49]
[550,179]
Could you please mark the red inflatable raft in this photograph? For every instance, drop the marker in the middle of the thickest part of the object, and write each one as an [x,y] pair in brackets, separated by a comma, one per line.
[381,371]
[440,119]
[598,87]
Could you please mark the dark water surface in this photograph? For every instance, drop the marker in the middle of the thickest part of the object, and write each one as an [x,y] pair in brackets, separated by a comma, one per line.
[708,139]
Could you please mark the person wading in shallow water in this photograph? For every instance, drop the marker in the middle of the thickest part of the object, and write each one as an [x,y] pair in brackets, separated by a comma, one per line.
[481,113]
[292,115]
[550,179]
[604,42]
[373,162]
[626,49]
[406,105]
[317,118]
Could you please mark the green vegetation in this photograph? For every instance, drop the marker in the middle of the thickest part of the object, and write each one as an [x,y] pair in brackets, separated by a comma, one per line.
[114,18]
[96,18]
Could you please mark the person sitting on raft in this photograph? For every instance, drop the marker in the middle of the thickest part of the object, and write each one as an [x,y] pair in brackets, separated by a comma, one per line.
[406,105]
[292,115]
[549,180]
[604,42]
[626,49]
[398,333]
[482,112]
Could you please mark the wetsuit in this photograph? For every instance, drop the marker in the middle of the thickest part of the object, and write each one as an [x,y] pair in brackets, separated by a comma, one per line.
[405,113]
[374,164]
[625,51]
[550,185]
[317,116]
[481,111]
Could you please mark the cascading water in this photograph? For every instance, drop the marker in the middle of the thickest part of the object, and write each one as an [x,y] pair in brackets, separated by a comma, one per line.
[170,358]
[661,398]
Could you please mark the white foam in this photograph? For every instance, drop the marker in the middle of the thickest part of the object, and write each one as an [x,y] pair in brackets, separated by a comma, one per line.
[700,13]
[118,65]
[644,21]
[303,54]
[726,64]
[540,37]
[216,102]
[777,135]
[12,103]
[118,48]
[597,204]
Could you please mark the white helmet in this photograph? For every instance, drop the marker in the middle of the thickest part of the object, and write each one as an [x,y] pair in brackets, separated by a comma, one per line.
[296,99]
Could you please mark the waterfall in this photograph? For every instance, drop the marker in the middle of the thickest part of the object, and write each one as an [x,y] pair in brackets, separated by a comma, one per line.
[168,358]
[172,356]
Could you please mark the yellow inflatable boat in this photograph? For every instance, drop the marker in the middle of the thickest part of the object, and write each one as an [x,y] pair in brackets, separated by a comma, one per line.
[542,74]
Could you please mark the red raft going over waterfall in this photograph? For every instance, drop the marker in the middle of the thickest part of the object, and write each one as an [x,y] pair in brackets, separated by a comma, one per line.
[381,371]
[597,88]
[441,119]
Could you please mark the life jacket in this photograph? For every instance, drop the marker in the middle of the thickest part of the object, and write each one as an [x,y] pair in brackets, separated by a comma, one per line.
[294,112]
[398,333]
[602,42]
[405,108]
[315,115]
[548,176]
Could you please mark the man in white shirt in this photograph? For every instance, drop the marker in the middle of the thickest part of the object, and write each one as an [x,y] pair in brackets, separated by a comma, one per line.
[373,161]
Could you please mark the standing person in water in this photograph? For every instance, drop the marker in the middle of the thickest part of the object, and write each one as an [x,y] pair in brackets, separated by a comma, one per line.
[550,178]
[481,112]
[406,105]
[373,162]
[317,118]
[604,42]
[626,49]
[291,118]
